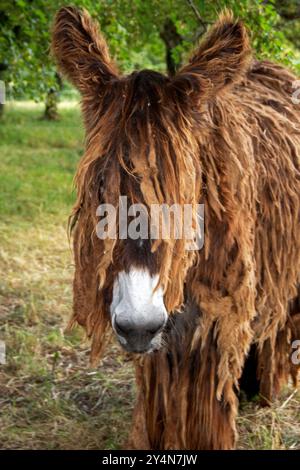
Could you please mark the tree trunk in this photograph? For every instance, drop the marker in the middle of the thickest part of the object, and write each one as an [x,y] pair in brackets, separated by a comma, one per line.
[289,11]
[171,38]
[51,111]
[51,103]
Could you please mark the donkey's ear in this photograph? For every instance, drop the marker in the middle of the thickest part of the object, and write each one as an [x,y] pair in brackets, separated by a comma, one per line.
[80,50]
[221,59]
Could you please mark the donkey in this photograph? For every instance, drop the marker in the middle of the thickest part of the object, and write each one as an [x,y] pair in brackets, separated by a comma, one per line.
[223,132]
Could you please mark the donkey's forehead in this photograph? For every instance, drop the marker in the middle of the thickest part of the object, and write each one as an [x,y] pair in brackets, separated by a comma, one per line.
[144,83]
[147,77]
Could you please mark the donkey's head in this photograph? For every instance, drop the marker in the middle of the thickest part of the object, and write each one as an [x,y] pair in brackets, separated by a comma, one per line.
[143,142]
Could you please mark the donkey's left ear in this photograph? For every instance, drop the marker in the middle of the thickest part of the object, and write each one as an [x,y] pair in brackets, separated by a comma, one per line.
[81,51]
[221,59]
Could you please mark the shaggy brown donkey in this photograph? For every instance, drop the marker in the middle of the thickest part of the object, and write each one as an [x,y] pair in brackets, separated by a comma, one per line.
[225,132]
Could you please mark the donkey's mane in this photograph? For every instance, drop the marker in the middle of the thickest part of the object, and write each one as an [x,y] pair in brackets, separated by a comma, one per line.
[141,145]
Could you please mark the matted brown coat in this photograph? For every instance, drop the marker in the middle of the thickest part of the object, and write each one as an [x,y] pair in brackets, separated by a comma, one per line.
[224,131]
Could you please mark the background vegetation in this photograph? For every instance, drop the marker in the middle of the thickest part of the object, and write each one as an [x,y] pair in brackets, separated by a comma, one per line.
[49,397]
[142,34]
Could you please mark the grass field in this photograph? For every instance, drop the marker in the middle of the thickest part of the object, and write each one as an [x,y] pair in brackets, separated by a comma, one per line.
[49,397]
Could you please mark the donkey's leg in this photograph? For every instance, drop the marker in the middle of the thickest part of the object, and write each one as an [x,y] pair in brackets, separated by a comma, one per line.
[138,438]
[249,382]
[178,404]
[209,420]
[155,423]
[276,363]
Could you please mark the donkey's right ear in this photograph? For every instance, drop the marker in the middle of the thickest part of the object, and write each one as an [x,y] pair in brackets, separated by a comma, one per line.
[221,60]
[81,51]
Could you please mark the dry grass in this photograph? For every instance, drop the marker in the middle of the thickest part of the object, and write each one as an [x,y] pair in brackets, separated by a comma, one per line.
[49,397]
[272,428]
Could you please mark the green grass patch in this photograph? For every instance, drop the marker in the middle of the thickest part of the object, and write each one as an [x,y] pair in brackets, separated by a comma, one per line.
[38,161]
[49,396]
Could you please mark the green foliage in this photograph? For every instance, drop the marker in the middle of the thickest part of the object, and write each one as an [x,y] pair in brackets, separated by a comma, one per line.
[267,28]
[24,44]
[133,29]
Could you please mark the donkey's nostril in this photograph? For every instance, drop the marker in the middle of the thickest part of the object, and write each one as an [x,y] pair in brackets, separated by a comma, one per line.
[155,329]
[126,328]
[123,328]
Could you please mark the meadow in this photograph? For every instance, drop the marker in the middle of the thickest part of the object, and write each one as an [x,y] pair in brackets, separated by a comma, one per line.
[50,398]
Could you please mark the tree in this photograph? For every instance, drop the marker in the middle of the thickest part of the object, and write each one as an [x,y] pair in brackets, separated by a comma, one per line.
[289,11]
[142,34]
[24,46]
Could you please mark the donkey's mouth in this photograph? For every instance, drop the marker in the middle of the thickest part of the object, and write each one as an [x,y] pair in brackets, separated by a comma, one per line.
[140,343]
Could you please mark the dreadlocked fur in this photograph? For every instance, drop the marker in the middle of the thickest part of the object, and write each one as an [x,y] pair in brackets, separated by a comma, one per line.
[224,132]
